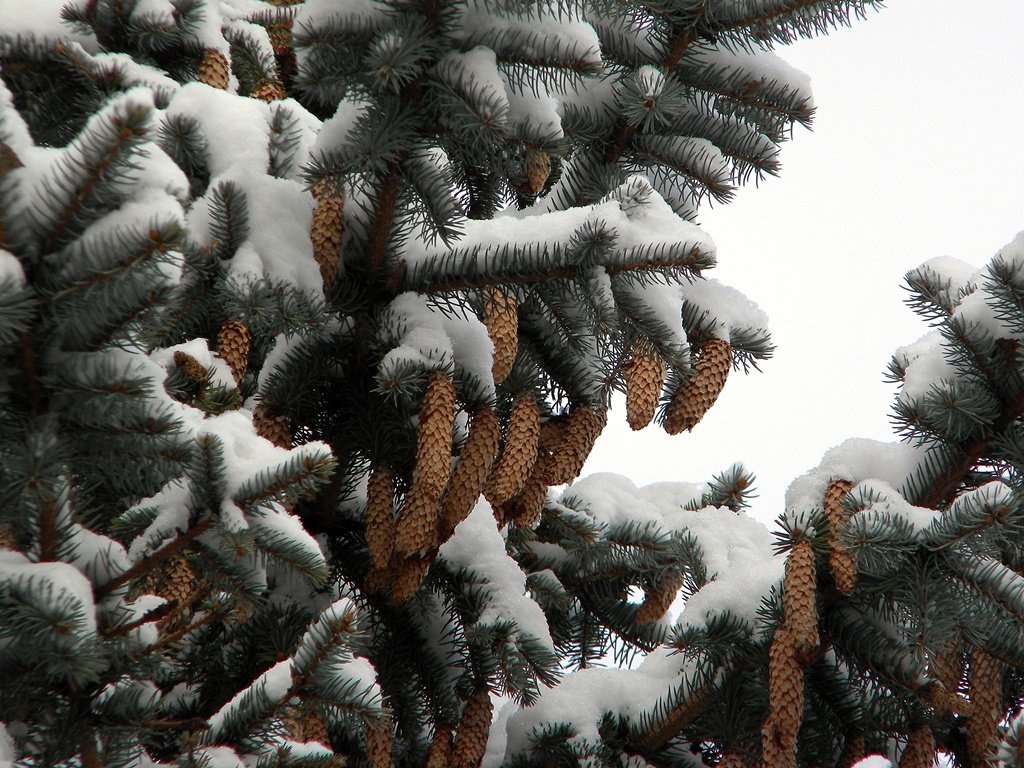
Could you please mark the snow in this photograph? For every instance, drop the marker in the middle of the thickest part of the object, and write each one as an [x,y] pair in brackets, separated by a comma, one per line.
[478,547]
[756,65]
[925,365]
[53,583]
[146,634]
[534,114]
[337,129]
[873,761]
[154,12]
[98,557]
[41,20]
[275,684]
[199,349]
[11,273]
[887,502]
[476,74]
[7,751]
[855,460]
[235,130]
[276,522]
[730,309]
[13,130]
[344,14]
[218,757]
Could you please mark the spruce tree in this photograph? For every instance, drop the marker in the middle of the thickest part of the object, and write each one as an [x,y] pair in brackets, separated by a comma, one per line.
[305,308]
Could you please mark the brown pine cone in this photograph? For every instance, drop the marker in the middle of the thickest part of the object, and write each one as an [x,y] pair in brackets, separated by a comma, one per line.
[280,34]
[179,580]
[378,744]
[434,437]
[314,726]
[660,598]
[440,753]
[501,319]
[695,398]
[526,507]
[538,168]
[408,578]
[584,426]
[785,702]
[233,342]
[853,751]
[474,728]
[192,368]
[416,530]
[327,228]
[644,374]
[841,564]
[214,69]
[471,471]
[985,682]
[947,668]
[920,749]
[269,91]
[799,592]
[271,426]
[380,521]
[8,541]
[520,453]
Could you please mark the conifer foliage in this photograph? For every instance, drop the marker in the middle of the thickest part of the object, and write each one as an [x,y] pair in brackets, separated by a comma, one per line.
[305,306]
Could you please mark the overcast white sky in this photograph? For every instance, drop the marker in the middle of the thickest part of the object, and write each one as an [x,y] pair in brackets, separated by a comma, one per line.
[917,151]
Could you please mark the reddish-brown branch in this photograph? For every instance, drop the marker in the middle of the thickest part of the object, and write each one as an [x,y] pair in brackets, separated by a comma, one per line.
[381,230]
[152,559]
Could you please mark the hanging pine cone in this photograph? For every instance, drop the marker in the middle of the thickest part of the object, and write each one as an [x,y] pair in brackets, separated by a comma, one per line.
[841,563]
[785,703]
[416,531]
[526,507]
[731,760]
[474,728]
[233,342]
[538,168]
[644,374]
[271,426]
[380,521]
[853,751]
[280,34]
[214,69]
[408,578]
[440,753]
[192,368]
[8,541]
[517,459]
[920,749]
[799,592]
[583,427]
[269,91]
[660,598]
[692,401]
[327,229]
[985,682]
[378,745]
[501,318]
[434,436]
[471,470]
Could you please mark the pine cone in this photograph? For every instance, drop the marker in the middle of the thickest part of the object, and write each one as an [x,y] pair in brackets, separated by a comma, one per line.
[645,374]
[660,598]
[408,578]
[692,401]
[440,753]
[214,69]
[584,426]
[799,592]
[471,470]
[841,564]
[271,426]
[853,751]
[731,760]
[378,745]
[192,368]
[380,522]
[985,681]
[474,728]
[526,508]
[501,318]
[417,522]
[8,541]
[947,668]
[280,35]
[314,726]
[538,168]
[434,437]
[269,91]
[327,229]
[920,749]
[785,702]
[233,347]
[179,580]
[513,468]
